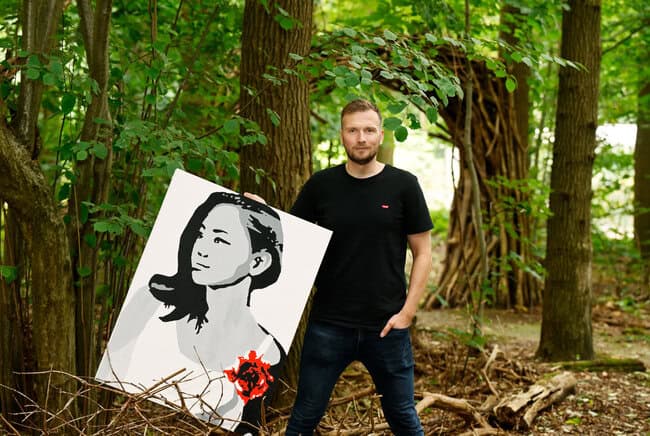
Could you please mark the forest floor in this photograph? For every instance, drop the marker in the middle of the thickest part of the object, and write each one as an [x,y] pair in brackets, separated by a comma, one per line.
[604,402]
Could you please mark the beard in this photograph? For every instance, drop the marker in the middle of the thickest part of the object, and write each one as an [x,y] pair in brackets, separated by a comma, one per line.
[361,160]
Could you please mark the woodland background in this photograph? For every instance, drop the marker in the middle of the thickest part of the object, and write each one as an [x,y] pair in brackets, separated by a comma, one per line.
[101,101]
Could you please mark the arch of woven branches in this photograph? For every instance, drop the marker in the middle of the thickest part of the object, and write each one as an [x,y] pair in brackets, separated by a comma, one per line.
[501,161]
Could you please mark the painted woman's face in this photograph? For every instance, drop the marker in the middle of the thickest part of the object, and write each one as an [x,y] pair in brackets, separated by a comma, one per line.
[222,251]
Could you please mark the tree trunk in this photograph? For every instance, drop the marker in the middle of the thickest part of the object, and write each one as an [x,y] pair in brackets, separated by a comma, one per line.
[286,156]
[13,323]
[46,297]
[566,321]
[266,46]
[93,178]
[642,179]
[29,197]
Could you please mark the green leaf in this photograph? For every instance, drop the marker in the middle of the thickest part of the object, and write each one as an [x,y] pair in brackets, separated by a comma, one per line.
[172,166]
[510,84]
[90,239]
[32,73]
[379,41]
[415,122]
[101,226]
[275,118]
[392,123]
[350,32]
[401,134]
[84,271]
[194,165]
[390,35]
[67,103]
[432,115]
[397,107]
[8,273]
[352,80]
[138,228]
[100,150]
[286,22]
[82,155]
[231,126]
[33,61]
[49,79]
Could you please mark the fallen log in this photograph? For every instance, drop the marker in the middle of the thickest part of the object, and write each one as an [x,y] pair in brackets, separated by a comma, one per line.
[609,364]
[520,410]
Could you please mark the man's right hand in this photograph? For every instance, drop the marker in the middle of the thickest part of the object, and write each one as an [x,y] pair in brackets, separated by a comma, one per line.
[254,197]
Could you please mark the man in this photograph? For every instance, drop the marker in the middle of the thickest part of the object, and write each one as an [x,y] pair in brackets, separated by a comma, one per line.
[361,310]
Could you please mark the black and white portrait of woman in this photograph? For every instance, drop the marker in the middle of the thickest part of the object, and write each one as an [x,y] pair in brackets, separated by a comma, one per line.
[201,314]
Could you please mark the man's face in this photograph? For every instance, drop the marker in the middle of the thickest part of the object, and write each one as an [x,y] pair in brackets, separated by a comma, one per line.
[362,135]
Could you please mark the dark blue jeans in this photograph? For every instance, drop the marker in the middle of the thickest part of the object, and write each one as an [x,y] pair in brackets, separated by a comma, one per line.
[328,349]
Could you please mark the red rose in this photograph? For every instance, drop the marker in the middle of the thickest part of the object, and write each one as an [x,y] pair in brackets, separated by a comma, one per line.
[252,377]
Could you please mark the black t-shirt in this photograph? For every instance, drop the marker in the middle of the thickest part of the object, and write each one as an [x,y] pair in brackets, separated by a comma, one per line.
[361,281]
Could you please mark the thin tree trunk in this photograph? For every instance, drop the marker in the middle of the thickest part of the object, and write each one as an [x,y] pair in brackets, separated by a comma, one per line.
[93,178]
[566,321]
[642,179]
[12,323]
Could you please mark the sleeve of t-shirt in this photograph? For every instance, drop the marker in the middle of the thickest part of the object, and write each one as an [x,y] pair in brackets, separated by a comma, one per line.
[418,219]
[304,206]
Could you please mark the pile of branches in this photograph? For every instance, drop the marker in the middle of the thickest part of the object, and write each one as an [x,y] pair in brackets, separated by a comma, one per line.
[459,390]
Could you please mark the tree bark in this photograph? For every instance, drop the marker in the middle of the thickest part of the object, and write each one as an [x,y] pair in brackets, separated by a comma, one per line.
[265,49]
[29,197]
[93,178]
[40,19]
[566,320]
[642,179]
[47,297]
[286,156]
[13,323]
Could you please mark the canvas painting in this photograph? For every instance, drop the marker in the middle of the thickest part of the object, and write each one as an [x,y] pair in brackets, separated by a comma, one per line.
[214,303]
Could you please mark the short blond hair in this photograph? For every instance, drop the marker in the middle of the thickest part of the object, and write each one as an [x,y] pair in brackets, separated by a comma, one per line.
[359,105]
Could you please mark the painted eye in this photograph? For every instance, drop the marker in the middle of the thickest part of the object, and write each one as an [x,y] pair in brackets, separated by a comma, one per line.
[219,240]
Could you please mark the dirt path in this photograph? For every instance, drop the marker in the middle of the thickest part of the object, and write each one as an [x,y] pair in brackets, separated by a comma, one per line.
[524,329]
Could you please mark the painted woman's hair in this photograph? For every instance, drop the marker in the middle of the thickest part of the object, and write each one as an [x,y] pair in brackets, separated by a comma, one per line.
[188,298]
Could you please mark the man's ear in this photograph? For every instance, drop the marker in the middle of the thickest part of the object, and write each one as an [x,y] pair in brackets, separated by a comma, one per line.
[260,262]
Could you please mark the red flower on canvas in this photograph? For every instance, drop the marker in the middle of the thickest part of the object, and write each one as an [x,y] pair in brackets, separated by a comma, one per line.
[252,377]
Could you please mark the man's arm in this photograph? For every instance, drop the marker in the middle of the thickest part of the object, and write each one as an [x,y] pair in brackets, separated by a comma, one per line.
[420,244]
